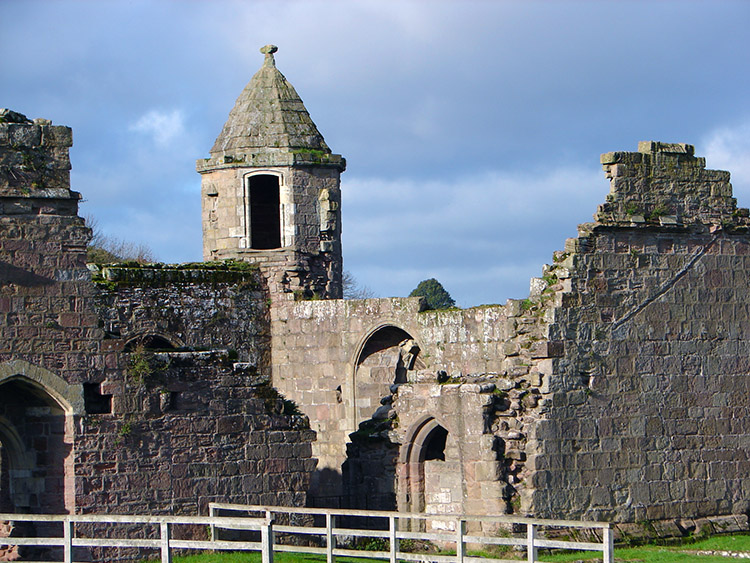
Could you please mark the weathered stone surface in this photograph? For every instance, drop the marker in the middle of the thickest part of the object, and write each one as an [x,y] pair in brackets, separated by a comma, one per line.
[94,418]
[271,160]
[618,390]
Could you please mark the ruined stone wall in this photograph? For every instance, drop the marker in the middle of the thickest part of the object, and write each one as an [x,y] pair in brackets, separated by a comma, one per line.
[94,414]
[192,306]
[46,315]
[648,407]
[332,358]
[50,342]
[194,429]
[194,426]
[617,390]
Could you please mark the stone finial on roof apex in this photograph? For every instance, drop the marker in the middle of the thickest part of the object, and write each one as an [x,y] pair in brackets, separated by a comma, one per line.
[268,51]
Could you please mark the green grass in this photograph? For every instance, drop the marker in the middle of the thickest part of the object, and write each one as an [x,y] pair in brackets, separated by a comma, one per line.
[684,553]
[254,557]
[645,554]
[730,543]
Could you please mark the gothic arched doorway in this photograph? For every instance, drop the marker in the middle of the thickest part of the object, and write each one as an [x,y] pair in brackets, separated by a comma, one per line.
[429,473]
[36,434]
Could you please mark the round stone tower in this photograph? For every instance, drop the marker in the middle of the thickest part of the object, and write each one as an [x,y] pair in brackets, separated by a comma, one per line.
[271,190]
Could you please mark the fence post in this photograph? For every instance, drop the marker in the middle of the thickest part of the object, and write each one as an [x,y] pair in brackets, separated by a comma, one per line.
[212,513]
[531,542]
[330,538]
[393,539]
[609,545]
[166,553]
[266,540]
[460,544]
[68,538]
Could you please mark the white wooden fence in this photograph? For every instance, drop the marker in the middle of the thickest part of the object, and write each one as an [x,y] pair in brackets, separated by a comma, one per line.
[165,543]
[397,530]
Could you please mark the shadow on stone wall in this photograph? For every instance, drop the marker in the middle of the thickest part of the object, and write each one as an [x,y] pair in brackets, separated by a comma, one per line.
[367,480]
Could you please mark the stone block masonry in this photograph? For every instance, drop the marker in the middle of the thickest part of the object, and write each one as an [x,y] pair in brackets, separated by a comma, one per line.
[618,390]
[347,363]
[146,392]
[189,427]
[196,429]
[650,402]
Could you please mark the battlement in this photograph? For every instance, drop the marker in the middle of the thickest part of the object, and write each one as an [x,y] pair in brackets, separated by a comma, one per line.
[665,184]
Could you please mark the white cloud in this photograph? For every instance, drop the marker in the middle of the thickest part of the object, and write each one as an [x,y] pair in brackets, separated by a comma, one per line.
[728,148]
[483,236]
[163,127]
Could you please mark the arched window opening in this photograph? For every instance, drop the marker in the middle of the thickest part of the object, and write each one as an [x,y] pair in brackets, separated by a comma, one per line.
[264,213]
[434,448]
[386,357]
[153,342]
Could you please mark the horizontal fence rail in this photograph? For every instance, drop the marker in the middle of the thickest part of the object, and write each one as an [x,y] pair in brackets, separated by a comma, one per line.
[326,531]
[458,536]
[164,543]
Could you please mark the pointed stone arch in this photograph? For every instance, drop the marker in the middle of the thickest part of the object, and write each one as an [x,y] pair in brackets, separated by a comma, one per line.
[382,357]
[68,396]
[37,410]
[417,445]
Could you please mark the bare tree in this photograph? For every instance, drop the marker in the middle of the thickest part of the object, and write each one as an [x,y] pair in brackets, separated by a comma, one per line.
[352,288]
[105,249]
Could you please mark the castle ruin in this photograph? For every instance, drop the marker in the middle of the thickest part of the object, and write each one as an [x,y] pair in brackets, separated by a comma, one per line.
[618,390]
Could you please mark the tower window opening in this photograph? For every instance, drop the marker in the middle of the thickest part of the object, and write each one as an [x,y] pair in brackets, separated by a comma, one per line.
[264,214]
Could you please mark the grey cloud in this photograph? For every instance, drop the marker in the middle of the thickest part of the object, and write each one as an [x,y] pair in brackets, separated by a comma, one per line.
[418,96]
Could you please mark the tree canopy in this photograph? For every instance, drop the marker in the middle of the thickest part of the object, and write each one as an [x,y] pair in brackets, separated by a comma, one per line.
[436,295]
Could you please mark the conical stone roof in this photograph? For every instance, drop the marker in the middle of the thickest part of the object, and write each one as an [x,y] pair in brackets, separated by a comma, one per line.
[268,115]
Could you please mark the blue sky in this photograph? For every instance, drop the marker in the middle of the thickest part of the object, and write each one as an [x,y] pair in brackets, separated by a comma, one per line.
[472,130]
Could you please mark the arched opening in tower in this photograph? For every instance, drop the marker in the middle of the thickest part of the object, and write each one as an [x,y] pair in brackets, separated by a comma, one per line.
[264,213]
[435,444]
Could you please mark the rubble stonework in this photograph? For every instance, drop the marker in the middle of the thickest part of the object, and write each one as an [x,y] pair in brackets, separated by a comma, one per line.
[618,390]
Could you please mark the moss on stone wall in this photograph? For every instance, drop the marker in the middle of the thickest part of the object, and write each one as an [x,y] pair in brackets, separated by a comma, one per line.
[111,276]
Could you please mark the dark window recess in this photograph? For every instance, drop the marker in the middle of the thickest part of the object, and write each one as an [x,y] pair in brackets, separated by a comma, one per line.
[149,342]
[435,447]
[94,401]
[6,502]
[265,219]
